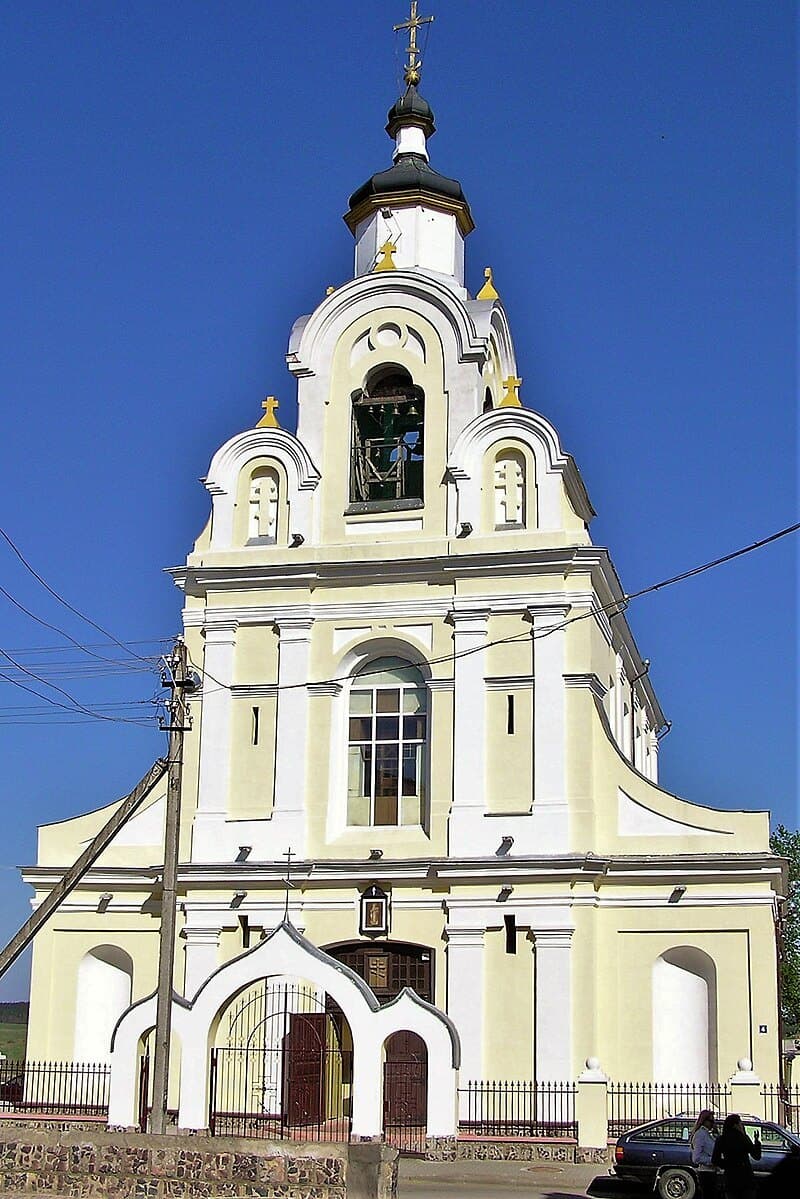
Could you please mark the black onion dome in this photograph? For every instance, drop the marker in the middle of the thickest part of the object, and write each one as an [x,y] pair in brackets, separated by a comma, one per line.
[411,173]
[411,109]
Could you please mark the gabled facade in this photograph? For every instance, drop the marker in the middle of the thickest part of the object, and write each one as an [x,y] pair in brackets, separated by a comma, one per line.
[418,680]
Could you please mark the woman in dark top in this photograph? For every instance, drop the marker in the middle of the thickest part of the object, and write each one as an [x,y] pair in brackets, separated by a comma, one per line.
[733,1151]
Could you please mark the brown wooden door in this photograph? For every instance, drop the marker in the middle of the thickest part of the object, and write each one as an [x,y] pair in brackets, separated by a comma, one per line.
[405,1081]
[303,1061]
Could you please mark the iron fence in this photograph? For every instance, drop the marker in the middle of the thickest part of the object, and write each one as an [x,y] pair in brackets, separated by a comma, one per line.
[518,1109]
[54,1088]
[632,1103]
[782,1104]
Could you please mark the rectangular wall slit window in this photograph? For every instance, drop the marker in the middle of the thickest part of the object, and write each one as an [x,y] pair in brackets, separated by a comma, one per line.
[244,925]
[255,726]
[509,713]
[511,934]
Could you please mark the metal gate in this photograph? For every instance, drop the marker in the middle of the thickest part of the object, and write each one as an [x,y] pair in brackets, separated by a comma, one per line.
[145,1099]
[405,1092]
[285,1071]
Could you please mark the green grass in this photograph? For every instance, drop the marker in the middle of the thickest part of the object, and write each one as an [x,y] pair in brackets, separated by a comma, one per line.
[12,1040]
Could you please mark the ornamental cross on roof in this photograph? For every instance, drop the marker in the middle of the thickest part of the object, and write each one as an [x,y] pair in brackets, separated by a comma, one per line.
[413,68]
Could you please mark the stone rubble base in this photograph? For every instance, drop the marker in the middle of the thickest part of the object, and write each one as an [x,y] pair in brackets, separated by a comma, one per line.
[449,1149]
[76,1164]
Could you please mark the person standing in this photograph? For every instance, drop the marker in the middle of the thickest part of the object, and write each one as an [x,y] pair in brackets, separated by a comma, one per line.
[702,1141]
[733,1150]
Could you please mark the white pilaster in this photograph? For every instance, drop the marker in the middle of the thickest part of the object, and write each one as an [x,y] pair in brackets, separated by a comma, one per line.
[466,835]
[550,809]
[215,739]
[553,1004]
[215,729]
[201,956]
[465,971]
[291,733]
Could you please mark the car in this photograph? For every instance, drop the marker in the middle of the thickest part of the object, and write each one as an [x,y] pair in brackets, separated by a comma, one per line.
[658,1155]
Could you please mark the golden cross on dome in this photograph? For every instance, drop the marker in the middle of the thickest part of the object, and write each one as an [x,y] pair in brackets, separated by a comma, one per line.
[386,263]
[511,398]
[414,64]
[269,420]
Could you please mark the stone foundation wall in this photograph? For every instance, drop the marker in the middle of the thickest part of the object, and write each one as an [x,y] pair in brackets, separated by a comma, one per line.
[78,1164]
[449,1149]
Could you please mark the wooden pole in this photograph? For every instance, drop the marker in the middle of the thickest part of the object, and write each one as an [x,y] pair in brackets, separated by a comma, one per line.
[178,681]
[128,805]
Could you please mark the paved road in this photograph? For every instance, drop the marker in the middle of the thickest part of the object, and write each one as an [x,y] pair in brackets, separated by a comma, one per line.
[487,1180]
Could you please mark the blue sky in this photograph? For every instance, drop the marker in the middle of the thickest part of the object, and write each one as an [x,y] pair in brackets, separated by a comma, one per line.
[174,182]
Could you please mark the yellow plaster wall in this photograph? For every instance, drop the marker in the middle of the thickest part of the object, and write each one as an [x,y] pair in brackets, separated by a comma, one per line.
[252,789]
[508,1005]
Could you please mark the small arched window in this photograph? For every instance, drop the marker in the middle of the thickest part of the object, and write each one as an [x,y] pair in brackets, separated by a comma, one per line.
[387,433]
[387,742]
[262,505]
[509,490]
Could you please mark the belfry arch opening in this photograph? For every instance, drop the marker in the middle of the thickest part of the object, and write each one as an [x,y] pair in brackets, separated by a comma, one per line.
[387,435]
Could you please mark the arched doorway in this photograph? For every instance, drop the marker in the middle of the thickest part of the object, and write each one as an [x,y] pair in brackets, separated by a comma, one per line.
[405,1091]
[282,1064]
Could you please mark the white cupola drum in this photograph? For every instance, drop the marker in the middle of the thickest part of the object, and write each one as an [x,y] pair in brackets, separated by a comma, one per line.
[420,216]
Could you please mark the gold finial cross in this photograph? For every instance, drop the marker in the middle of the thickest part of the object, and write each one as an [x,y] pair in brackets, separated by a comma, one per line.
[269,420]
[387,262]
[414,64]
[511,398]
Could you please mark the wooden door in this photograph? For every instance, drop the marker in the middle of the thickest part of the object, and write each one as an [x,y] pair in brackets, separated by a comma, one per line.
[405,1081]
[303,1068]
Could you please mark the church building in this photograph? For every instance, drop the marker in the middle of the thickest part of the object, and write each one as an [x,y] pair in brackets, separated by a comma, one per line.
[423,732]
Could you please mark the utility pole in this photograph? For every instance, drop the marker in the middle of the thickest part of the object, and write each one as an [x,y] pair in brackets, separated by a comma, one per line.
[175,677]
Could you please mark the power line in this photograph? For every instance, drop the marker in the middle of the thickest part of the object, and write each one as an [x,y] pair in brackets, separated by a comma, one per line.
[61,600]
[54,628]
[615,607]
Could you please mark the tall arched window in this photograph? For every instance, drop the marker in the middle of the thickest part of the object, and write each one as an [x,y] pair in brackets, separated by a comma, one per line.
[387,744]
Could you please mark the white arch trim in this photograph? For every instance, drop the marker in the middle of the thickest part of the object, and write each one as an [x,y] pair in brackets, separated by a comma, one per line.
[402,289]
[530,429]
[286,952]
[228,462]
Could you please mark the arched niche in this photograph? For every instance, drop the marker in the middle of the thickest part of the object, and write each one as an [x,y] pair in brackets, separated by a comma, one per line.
[262,504]
[104,983]
[509,487]
[684,981]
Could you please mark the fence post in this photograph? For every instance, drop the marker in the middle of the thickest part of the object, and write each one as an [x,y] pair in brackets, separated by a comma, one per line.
[746,1090]
[591,1106]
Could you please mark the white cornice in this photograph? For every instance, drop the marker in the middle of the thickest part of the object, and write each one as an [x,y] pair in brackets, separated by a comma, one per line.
[590,681]
[637,870]
[510,682]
